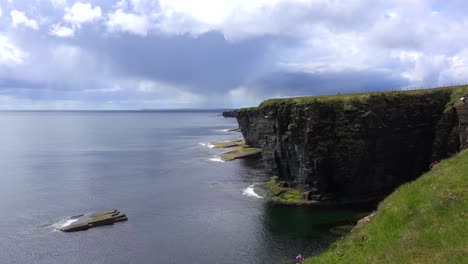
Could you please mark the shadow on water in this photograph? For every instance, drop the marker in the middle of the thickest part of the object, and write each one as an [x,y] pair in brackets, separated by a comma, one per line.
[253,163]
[306,229]
[308,221]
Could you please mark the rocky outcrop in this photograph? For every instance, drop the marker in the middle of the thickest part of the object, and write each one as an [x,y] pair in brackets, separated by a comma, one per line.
[230,113]
[352,146]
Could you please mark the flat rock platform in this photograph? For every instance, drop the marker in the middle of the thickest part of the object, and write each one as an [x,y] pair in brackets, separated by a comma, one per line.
[87,221]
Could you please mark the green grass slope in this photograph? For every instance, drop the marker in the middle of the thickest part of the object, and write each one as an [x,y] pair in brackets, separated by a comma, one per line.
[425,221]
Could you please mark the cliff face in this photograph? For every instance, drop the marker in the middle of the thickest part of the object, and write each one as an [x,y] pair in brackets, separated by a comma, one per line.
[463,124]
[357,145]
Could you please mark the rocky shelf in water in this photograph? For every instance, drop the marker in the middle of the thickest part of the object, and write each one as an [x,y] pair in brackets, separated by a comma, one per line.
[288,193]
[228,143]
[87,221]
[241,152]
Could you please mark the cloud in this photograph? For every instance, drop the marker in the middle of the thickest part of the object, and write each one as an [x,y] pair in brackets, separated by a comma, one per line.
[9,53]
[243,19]
[82,13]
[20,19]
[227,53]
[58,3]
[170,94]
[61,31]
[128,22]
[243,96]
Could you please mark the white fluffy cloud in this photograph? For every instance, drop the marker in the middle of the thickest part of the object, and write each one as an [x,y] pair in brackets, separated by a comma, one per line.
[18,18]
[82,13]
[242,19]
[128,22]
[217,12]
[9,53]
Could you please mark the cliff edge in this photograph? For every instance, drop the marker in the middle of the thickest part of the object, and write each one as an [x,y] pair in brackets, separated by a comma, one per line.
[357,145]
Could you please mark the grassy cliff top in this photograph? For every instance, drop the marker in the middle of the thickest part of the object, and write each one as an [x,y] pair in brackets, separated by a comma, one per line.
[455,91]
[425,221]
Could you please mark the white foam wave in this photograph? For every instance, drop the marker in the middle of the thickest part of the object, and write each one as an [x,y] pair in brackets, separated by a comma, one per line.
[64,222]
[221,130]
[250,191]
[207,145]
[217,159]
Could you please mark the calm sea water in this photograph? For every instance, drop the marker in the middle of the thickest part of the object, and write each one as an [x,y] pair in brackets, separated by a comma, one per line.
[184,206]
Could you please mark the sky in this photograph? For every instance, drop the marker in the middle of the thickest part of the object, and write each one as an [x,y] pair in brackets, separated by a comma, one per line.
[134,54]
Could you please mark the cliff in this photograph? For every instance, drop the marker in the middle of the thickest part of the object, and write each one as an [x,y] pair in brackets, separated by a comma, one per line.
[357,145]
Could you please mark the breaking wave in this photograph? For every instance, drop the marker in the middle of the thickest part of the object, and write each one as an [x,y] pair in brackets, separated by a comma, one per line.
[250,191]
[207,145]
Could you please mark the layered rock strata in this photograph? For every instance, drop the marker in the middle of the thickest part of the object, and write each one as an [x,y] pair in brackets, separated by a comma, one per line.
[356,145]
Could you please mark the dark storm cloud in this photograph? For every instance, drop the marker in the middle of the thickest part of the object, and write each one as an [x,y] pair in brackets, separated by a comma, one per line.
[299,84]
[206,63]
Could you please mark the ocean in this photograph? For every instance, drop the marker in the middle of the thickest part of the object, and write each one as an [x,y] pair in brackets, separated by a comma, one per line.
[183,203]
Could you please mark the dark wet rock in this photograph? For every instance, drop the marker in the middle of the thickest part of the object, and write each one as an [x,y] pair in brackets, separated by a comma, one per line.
[312,194]
[316,197]
[341,230]
[86,221]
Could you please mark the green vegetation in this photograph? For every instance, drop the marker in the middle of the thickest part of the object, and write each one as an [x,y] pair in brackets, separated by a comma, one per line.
[286,195]
[273,186]
[241,152]
[228,143]
[246,109]
[290,196]
[455,93]
[425,221]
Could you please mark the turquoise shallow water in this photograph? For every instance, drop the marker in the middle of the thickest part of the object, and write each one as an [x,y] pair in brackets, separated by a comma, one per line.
[184,206]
